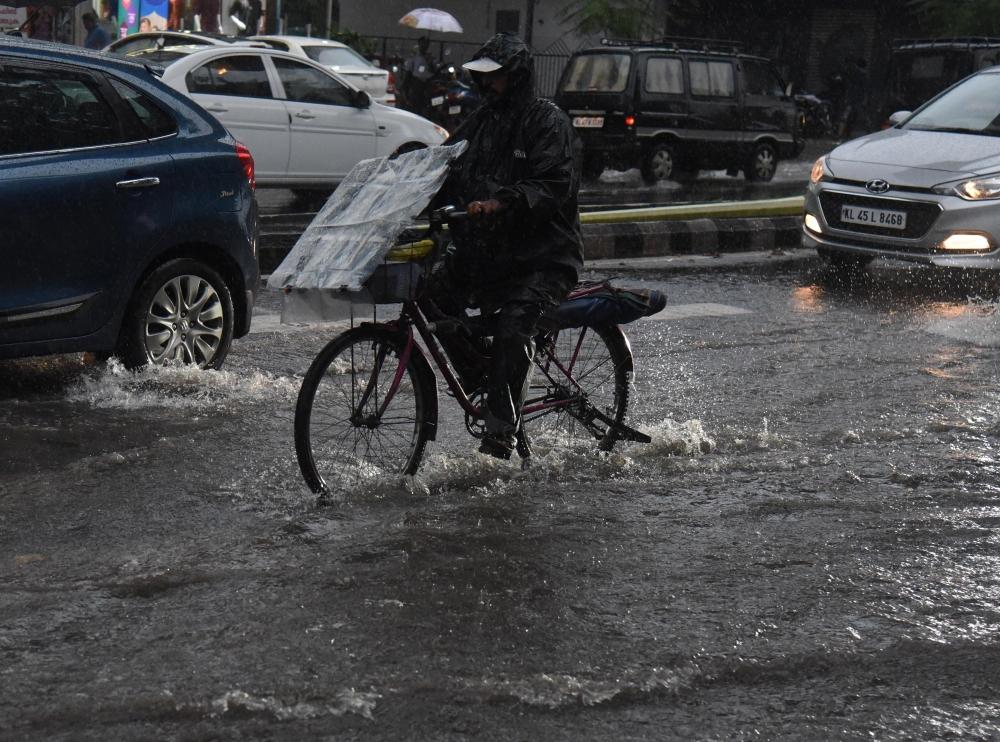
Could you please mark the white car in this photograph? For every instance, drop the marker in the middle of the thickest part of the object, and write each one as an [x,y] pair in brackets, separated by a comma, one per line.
[305,126]
[342,59]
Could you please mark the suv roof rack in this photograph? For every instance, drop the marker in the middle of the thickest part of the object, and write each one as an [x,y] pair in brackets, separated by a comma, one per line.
[961,42]
[687,43]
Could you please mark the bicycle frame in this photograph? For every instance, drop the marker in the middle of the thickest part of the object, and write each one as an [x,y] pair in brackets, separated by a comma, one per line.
[413,317]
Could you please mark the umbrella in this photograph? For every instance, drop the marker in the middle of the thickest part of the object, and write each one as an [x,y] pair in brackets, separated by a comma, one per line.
[431,19]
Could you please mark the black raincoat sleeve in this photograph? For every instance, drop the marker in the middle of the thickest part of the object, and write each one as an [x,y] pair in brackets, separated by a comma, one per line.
[550,178]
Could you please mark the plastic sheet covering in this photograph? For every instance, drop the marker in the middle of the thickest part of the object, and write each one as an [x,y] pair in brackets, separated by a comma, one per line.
[350,236]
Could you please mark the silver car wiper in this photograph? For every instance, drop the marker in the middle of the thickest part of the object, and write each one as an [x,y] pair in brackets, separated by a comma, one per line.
[991,132]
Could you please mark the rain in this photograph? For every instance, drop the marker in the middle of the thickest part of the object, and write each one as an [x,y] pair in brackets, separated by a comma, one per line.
[805,548]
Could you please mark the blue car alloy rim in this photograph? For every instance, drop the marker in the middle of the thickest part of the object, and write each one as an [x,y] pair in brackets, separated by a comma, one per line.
[185,322]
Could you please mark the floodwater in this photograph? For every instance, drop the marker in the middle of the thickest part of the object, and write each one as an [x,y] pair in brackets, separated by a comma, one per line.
[806,550]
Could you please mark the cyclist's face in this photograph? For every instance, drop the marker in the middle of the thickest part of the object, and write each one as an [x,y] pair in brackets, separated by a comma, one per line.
[494,83]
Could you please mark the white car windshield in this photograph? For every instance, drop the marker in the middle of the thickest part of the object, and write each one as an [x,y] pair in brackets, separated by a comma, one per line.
[972,107]
[336,56]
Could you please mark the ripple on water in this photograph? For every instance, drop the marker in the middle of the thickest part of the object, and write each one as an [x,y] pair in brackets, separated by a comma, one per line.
[563,690]
[977,322]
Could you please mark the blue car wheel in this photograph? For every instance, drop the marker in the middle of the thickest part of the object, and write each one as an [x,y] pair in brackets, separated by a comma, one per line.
[181,313]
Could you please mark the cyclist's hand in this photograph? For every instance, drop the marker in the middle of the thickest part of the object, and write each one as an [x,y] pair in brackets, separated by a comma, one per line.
[488,208]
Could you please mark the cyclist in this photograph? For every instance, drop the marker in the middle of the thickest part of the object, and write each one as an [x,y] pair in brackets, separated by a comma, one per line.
[522,250]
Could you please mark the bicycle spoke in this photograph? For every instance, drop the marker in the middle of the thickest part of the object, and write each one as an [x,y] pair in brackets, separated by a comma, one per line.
[347,437]
[581,369]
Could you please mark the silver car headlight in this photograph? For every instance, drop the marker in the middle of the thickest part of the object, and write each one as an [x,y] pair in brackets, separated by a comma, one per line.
[820,170]
[975,189]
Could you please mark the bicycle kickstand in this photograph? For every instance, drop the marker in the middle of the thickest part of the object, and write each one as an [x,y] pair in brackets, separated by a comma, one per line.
[523,449]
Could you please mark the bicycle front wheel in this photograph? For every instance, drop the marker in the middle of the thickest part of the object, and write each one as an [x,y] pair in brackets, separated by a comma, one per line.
[359,416]
[586,367]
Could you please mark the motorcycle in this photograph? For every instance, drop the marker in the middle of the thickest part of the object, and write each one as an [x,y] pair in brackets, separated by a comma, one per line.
[452,99]
[815,116]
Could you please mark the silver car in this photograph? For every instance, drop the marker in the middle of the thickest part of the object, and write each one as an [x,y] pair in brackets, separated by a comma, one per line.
[927,190]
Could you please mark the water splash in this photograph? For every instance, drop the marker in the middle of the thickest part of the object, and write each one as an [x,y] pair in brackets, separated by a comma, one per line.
[178,387]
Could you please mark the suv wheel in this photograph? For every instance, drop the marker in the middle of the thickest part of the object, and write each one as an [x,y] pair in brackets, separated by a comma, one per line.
[659,163]
[182,313]
[763,163]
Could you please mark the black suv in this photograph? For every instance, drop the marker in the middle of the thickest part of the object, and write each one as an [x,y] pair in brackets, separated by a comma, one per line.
[678,105]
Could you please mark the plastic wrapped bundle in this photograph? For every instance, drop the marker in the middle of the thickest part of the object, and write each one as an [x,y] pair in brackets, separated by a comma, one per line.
[350,236]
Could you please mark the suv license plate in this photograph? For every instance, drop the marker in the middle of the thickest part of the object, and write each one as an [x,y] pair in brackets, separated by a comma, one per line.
[873,217]
[588,122]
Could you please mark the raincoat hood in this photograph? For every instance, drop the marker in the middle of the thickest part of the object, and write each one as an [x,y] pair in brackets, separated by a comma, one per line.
[508,53]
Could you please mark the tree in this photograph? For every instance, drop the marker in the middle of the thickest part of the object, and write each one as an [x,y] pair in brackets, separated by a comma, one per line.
[958,17]
[631,19]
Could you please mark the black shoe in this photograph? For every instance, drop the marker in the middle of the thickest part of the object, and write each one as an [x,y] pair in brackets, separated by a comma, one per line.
[498,446]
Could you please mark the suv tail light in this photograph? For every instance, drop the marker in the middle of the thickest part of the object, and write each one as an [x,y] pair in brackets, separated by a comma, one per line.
[390,86]
[246,160]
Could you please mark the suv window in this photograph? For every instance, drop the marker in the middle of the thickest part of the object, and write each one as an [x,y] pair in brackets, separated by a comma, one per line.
[305,84]
[241,75]
[665,75]
[713,79]
[607,73]
[155,121]
[45,109]
[760,79]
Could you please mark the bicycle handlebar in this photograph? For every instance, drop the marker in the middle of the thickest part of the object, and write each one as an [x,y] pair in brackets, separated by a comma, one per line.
[448,215]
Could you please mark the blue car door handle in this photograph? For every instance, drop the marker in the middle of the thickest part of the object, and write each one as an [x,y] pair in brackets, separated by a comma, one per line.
[138,183]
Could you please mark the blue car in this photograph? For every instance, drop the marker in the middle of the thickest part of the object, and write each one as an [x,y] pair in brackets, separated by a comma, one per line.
[128,222]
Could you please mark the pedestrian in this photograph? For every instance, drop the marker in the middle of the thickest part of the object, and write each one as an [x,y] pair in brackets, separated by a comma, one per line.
[245,16]
[855,98]
[417,73]
[97,37]
[520,253]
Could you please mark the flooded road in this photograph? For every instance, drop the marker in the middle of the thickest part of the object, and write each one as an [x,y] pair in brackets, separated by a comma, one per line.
[806,550]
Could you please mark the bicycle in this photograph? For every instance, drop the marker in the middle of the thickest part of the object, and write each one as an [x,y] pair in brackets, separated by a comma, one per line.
[369,397]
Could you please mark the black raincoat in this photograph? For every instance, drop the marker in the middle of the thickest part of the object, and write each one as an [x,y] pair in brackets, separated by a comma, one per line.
[523,152]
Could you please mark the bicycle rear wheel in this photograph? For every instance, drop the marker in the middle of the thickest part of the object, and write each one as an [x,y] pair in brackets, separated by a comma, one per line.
[345,430]
[588,366]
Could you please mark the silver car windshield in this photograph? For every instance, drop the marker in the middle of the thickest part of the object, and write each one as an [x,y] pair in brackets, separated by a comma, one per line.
[970,108]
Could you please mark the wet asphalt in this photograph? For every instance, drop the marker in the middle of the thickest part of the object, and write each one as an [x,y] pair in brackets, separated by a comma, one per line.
[806,550]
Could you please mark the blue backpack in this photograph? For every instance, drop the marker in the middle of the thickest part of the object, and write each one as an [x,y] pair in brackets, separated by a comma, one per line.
[600,303]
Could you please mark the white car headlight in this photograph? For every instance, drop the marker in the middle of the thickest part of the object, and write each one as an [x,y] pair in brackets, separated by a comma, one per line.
[977,189]
[820,170]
